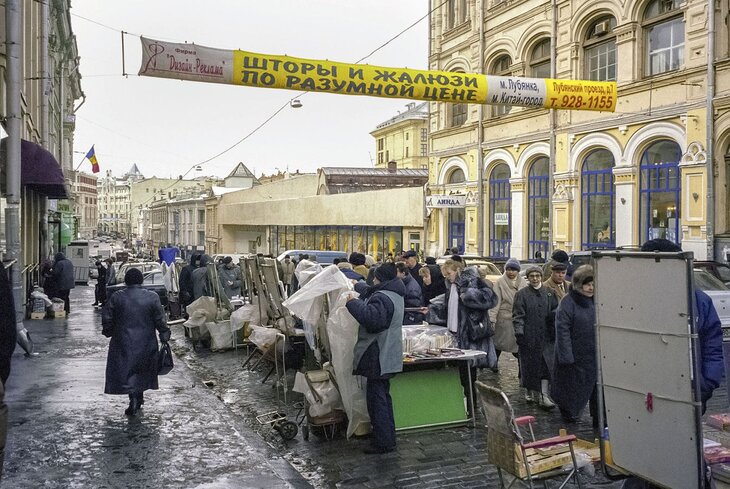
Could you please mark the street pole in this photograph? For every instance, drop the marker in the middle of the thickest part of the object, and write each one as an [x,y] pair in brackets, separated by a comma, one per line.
[481,217]
[12,146]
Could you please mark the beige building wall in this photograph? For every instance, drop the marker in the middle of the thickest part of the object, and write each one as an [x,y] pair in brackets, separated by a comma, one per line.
[403,139]
[668,106]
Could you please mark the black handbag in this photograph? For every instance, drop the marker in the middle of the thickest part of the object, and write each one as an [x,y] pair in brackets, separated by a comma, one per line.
[480,330]
[164,360]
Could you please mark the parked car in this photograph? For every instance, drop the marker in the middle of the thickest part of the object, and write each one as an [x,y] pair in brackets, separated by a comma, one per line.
[488,269]
[324,258]
[144,267]
[151,281]
[716,269]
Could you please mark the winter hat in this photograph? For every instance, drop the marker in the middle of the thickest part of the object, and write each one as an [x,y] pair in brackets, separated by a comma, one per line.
[133,277]
[430,260]
[558,266]
[385,272]
[227,260]
[357,258]
[583,274]
[533,269]
[560,256]
[512,264]
[409,254]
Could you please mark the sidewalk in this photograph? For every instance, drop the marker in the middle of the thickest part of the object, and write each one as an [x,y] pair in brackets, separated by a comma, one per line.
[65,433]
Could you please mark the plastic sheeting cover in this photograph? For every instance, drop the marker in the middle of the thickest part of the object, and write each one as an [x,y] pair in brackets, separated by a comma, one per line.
[342,332]
[307,302]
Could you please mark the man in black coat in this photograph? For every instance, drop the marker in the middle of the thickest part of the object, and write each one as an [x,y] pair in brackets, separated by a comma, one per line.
[130,318]
[411,258]
[413,297]
[186,281]
[63,277]
[8,335]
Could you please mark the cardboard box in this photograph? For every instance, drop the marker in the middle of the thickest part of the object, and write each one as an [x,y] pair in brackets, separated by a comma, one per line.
[57,314]
[38,315]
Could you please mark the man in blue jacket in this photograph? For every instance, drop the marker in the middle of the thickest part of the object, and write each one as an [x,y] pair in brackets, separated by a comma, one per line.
[379,349]
[709,331]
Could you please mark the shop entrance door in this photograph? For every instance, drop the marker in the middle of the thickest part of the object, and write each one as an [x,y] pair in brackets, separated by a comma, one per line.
[456,229]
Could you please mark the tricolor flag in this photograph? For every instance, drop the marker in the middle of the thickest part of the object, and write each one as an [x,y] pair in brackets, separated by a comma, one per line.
[91,156]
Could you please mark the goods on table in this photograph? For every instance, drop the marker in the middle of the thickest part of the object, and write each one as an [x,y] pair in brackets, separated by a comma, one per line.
[719,421]
[421,339]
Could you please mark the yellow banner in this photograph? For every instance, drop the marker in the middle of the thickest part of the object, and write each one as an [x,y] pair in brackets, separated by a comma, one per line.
[200,63]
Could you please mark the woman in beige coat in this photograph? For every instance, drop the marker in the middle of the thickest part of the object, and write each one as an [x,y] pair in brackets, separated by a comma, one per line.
[501,315]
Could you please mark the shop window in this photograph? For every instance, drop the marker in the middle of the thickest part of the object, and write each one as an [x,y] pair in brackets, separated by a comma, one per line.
[600,50]
[538,200]
[540,60]
[660,191]
[500,211]
[597,201]
[502,66]
[663,26]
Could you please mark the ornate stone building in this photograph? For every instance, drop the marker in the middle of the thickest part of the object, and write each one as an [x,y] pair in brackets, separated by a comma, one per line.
[657,167]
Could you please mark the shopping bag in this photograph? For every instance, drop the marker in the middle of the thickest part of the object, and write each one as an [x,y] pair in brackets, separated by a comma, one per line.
[164,360]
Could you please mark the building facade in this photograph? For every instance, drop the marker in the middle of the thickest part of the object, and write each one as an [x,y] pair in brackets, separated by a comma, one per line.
[403,138]
[657,167]
[85,205]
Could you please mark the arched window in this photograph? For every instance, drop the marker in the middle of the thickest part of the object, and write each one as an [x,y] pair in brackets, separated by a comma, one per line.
[540,60]
[502,66]
[457,176]
[538,201]
[500,211]
[660,190]
[597,196]
[600,50]
[663,26]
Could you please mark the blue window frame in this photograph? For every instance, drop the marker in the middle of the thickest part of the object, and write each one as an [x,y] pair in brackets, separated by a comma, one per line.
[538,202]
[597,201]
[500,211]
[660,191]
[456,229]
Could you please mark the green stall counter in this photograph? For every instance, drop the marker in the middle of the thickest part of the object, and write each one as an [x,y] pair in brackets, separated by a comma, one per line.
[429,394]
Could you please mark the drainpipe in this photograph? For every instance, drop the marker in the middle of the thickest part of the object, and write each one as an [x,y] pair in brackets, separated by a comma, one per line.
[710,149]
[13,51]
[481,217]
[551,171]
[45,77]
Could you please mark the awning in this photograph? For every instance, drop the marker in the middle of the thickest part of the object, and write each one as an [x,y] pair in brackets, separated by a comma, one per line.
[40,171]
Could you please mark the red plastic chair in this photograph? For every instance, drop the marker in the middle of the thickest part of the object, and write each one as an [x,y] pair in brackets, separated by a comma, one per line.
[505,441]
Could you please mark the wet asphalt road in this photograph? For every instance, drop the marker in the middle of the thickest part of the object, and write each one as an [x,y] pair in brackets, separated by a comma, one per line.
[200,430]
[65,433]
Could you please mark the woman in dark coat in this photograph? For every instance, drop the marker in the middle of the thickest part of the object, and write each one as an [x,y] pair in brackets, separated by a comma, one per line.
[574,381]
[130,318]
[533,316]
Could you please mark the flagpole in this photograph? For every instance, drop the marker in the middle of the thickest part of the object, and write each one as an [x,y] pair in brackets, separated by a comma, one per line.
[80,163]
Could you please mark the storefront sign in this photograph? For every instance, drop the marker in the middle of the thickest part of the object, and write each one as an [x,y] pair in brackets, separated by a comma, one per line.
[203,64]
[501,218]
[446,201]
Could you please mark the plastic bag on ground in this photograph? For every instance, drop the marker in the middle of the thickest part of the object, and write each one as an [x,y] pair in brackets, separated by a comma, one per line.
[324,399]
[221,335]
[263,337]
[205,304]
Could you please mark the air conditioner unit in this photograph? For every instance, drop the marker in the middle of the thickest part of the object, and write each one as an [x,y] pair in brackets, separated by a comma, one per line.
[601,28]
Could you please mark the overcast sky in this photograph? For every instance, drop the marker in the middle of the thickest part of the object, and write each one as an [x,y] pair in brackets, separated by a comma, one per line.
[167,126]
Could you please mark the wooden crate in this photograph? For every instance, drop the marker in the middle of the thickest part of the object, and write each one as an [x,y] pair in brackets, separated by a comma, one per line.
[57,314]
[544,460]
[38,315]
